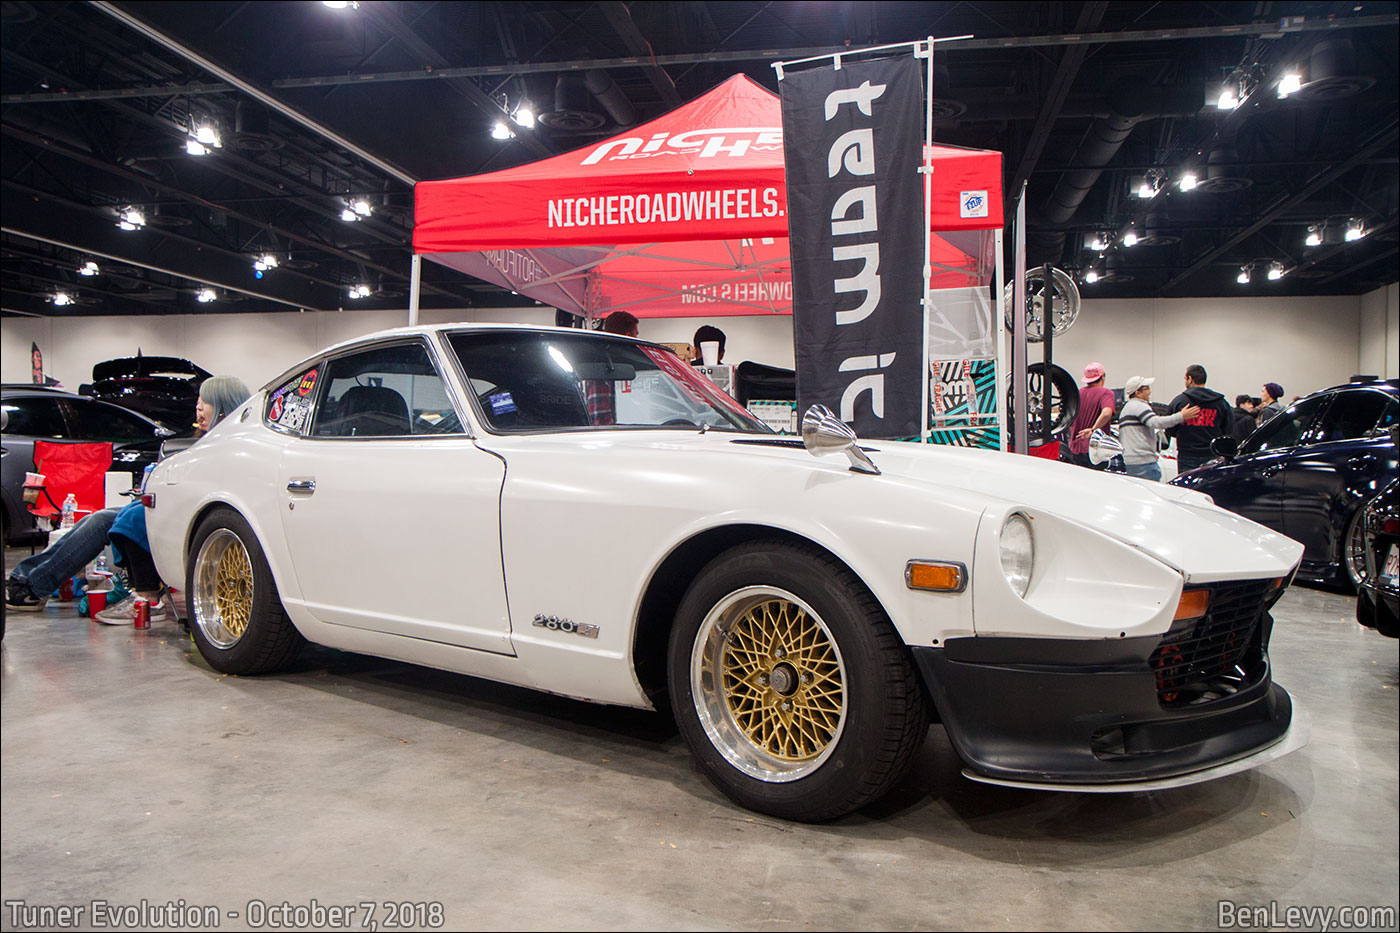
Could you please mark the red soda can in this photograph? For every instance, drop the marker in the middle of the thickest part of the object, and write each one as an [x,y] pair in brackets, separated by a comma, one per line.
[143,613]
[65,589]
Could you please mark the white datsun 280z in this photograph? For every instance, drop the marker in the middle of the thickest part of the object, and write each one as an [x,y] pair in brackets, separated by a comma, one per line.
[624,532]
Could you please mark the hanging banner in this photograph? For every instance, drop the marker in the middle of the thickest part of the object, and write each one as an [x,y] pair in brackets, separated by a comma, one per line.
[852,145]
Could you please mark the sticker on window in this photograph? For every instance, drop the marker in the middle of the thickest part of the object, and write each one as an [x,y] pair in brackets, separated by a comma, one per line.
[308,382]
[501,403]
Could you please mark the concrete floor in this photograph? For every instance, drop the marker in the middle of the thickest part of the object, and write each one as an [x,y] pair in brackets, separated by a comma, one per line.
[133,772]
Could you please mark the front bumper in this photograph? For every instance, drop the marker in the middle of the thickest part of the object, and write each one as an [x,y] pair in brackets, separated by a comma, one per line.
[1037,711]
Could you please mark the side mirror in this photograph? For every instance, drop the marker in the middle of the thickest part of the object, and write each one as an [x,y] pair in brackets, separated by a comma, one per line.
[1227,447]
[824,433]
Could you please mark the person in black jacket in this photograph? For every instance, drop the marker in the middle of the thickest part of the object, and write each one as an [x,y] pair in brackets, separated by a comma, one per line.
[1244,417]
[1215,419]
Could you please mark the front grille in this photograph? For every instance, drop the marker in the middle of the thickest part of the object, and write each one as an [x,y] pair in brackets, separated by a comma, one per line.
[1220,653]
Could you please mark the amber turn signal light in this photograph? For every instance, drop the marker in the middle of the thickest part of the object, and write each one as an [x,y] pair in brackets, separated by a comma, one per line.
[1192,605]
[942,576]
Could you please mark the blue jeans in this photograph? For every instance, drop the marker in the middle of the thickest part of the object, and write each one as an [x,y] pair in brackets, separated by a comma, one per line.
[1152,470]
[43,572]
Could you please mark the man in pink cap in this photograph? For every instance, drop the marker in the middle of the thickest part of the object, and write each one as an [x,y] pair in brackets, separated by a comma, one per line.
[1096,405]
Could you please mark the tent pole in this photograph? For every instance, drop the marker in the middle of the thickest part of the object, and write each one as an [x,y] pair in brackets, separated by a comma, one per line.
[1000,370]
[414,289]
[1018,334]
[927,171]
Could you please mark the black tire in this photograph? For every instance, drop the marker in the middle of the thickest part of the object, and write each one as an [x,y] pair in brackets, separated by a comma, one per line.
[236,615]
[806,735]
[1056,397]
[1353,557]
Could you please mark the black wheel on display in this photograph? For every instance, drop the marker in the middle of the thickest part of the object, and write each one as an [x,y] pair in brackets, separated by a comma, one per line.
[236,614]
[789,684]
[1054,395]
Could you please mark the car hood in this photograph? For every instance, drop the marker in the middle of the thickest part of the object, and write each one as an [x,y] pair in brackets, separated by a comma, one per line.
[1181,528]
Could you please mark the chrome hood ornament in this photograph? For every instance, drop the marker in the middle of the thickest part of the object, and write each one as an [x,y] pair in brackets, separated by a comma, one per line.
[824,433]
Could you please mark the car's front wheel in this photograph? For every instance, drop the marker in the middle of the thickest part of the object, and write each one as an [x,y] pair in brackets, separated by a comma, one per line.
[237,619]
[1354,550]
[790,685]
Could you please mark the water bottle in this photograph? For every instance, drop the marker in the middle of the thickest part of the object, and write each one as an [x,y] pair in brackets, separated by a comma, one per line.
[70,512]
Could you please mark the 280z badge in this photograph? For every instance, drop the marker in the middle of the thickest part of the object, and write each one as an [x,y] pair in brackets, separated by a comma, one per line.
[554,623]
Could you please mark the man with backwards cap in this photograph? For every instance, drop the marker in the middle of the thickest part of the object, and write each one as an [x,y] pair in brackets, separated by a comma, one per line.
[1138,427]
[1272,406]
[1096,406]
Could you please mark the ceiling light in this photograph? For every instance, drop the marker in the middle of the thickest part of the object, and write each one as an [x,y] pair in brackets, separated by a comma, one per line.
[205,295]
[88,268]
[1243,277]
[524,116]
[361,207]
[208,135]
[264,262]
[501,131]
[62,298]
[341,4]
[1098,243]
[131,218]
[1091,276]
[359,291]
[1145,188]
[195,148]
[1130,238]
[1276,271]
[1289,83]
[1187,182]
[348,215]
[1229,98]
[1314,237]
[1356,229]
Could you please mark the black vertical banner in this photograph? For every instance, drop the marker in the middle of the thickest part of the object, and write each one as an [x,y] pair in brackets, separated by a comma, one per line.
[852,144]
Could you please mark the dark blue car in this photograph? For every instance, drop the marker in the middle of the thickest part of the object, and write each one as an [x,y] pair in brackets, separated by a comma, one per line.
[1310,471]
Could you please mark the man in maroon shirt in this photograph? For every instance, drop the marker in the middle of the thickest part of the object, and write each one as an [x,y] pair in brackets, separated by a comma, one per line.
[1096,406]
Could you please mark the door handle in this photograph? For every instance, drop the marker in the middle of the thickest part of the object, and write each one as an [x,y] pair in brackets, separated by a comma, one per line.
[307,486]
[1270,470]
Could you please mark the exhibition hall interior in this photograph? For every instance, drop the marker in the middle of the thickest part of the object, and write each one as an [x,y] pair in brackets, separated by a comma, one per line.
[585,464]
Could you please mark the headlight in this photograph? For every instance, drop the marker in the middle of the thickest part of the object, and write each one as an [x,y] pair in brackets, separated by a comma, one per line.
[1017,552]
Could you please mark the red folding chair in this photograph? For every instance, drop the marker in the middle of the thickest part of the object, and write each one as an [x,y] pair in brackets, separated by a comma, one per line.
[80,469]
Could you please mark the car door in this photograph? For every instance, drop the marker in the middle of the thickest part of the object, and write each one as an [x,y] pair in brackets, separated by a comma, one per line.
[392,512]
[1345,457]
[1253,484]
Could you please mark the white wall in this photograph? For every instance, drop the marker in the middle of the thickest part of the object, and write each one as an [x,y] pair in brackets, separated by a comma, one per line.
[1303,343]
[1380,332]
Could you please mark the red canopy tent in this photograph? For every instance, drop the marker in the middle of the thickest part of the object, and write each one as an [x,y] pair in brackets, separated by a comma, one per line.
[682,216]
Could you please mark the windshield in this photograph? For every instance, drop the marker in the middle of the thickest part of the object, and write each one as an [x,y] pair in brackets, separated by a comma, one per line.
[532,381]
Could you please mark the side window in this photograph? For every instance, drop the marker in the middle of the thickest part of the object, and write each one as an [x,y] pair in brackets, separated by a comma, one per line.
[1287,428]
[386,391]
[289,405]
[37,417]
[94,421]
[1354,415]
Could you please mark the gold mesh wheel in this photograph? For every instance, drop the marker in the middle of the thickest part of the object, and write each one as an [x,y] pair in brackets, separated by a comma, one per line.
[223,588]
[769,683]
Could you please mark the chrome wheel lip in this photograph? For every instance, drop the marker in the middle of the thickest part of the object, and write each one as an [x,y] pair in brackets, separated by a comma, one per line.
[712,709]
[204,601]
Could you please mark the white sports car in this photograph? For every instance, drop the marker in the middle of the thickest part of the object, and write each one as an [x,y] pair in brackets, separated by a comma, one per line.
[625,533]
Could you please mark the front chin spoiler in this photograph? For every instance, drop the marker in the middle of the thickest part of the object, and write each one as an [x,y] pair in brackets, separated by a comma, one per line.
[1299,731]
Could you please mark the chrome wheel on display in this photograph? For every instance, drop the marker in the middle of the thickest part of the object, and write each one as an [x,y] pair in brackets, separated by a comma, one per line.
[768,684]
[1354,550]
[223,594]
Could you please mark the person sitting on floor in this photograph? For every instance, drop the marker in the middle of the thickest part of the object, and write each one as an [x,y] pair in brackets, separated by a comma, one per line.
[28,586]
[219,396]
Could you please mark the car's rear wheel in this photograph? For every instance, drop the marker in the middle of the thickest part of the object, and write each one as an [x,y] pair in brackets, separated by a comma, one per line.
[790,685]
[1354,550]
[237,619]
